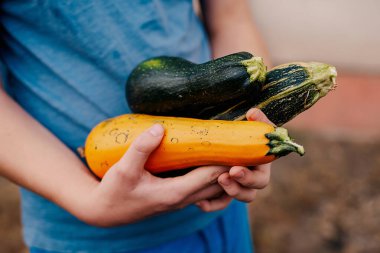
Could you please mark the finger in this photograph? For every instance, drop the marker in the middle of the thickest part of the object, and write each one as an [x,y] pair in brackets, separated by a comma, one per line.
[255,114]
[235,190]
[257,178]
[180,188]
[215,204]
[135,158]
[210,192]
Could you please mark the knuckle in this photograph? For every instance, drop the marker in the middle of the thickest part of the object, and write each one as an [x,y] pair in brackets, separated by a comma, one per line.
[123,174]
[118,169]
[213,177]
[258,182]
[122,177]
[233,192]
[119,173]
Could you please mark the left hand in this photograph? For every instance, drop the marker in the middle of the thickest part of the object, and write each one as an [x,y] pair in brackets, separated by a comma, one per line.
[240,182]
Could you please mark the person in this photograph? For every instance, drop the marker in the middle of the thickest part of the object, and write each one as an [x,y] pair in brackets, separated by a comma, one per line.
[64,68]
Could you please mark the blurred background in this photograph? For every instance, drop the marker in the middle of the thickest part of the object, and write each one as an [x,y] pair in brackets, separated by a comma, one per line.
[328,200]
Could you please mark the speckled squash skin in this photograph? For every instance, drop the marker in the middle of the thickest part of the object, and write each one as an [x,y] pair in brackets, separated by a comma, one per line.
[188,142]
[172,86]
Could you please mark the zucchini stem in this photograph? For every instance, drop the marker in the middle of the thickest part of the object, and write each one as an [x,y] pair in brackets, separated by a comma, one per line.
[255,68]
[324,77]
[281,144]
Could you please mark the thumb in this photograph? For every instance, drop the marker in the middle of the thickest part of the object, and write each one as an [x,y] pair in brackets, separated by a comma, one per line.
[138,153]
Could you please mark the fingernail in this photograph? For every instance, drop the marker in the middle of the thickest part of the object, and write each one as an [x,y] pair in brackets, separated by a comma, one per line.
[226,181]
[252,113]
[239,175]
[156,130]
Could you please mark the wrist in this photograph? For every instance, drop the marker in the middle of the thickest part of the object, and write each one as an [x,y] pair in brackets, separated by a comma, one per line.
[76,197]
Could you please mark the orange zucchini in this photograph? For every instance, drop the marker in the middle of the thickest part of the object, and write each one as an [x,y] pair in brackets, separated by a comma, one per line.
[188,142]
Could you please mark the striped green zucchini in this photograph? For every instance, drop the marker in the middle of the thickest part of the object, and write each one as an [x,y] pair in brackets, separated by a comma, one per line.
[289,89]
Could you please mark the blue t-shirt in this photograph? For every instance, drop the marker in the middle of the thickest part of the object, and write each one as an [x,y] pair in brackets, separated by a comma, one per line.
[67,63]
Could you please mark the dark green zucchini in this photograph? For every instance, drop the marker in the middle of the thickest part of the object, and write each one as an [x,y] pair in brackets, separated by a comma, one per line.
[289,89]
[172,86]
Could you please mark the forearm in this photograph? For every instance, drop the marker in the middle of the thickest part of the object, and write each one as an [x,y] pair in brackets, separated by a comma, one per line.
[33,158]
[232,29]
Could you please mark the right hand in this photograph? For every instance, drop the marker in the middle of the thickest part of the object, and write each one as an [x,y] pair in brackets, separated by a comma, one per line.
[128,193]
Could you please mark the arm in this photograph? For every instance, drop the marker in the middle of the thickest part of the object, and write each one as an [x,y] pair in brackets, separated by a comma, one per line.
[231,29]
[33,158]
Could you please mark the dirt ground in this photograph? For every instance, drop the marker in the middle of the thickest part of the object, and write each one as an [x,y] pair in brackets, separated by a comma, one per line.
[327,201]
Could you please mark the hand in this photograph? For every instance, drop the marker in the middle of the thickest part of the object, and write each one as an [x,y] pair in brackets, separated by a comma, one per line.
[240,182]
[128,193]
